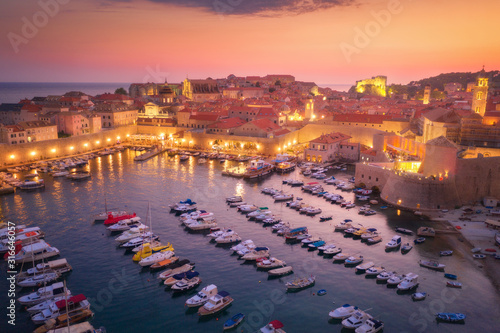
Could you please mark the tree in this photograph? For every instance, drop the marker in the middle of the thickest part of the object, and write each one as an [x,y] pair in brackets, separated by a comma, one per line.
[121,91]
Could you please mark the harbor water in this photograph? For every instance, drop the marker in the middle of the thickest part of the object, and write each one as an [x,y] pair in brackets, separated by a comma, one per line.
[127,298]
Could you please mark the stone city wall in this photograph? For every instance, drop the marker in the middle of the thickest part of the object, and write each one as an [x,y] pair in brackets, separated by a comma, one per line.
[372,175]
[416,192]
[27,152]
[478,178]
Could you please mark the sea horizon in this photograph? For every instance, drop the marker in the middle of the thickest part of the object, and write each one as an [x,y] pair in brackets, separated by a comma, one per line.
[13,92]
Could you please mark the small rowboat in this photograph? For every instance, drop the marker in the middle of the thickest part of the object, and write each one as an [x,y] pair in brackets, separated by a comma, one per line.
[446,253]
[280,271]
[453,284]
[418,296]
[450,276]
[234,321]
[321,292]
[478,256]
[419,240]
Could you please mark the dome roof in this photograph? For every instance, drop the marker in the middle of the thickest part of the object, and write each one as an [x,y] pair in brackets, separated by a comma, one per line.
[284,107]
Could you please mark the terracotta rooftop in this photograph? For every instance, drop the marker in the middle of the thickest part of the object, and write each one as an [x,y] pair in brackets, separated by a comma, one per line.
[331,138]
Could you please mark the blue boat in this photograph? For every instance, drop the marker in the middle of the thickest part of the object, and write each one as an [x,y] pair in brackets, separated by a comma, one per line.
[321,292]
[234,321]
[419,240]
[450,276]
[315,245]
[450,317]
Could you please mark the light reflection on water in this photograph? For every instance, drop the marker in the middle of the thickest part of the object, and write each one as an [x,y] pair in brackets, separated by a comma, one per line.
[63,211]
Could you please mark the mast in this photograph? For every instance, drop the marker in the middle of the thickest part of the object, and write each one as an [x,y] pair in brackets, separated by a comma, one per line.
[66,300]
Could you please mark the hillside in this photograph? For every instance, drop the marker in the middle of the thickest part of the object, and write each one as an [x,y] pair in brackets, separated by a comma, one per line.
[438,82]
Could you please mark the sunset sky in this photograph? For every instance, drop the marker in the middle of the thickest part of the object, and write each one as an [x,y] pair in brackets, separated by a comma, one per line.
[326,41]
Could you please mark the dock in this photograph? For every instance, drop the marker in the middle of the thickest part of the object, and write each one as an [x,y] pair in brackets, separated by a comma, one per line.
[149,154]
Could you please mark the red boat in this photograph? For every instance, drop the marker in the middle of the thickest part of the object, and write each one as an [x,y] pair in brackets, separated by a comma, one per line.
[114,219]
[18,247]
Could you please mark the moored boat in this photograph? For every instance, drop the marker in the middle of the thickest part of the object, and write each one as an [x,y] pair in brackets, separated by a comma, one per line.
[450,317]
[432,264]
[234,321]
[300,283]
[202,297]
[216,304]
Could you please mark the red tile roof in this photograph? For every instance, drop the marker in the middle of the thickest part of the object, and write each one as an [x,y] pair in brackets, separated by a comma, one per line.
[204,117]
[31,108]
[265,124]
[361,118]
[331,138]
[228,123]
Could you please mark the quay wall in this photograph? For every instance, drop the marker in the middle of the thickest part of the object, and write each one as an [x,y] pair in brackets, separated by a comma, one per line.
[29,152]
[268,146]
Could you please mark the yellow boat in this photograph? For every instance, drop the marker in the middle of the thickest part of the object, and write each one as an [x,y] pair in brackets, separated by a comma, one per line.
[146,251]
[359,232]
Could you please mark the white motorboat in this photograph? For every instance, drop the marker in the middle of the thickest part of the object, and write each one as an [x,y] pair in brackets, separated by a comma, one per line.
[245,209]
[370,326]
[124,225]
[39,280]
[45,304]
[260,211]
[280,271]
[220,233]
[353,260]
[156,257]
[216,304]
[73,304]
[374,271]
[384,276]
[343,226]
[340,257]
[432,264]
[409,282]
[395,279]
[228,239]
[189,282]
[43,294]
[35,251]
[394,243]
[283,197]
[202,296]
[23,237]
[258,252]
[313,211]
[270,263]
[137,231]
[325,247]
[332,251]
[236,198]
[344,311]
[237,204]
[173,271]
[356,319]
[200,224]
[147,237]
[246,244]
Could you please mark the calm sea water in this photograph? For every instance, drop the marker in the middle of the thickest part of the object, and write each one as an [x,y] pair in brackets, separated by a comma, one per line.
[126,298]
[13,92]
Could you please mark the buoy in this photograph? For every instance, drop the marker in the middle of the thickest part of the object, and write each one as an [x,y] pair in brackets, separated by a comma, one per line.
[259,281]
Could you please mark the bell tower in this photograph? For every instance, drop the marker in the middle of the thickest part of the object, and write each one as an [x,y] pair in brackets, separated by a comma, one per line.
[427,94]
[480,93]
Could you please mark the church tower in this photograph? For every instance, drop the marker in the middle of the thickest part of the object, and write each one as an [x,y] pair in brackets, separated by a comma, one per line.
[427,94]
[480,93]
[309,114]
